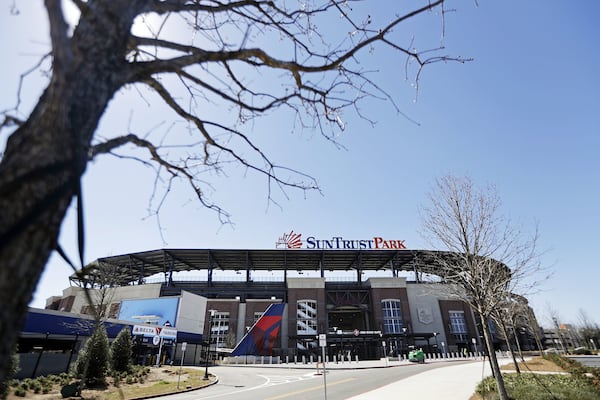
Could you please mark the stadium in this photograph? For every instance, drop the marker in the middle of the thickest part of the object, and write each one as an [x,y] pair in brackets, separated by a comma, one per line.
[372,298]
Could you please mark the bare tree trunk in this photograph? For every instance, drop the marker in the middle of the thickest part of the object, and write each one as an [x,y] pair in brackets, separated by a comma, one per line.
[45,157]
[493,359]
[518,344]
[507,338]
[37,185]
[531,322]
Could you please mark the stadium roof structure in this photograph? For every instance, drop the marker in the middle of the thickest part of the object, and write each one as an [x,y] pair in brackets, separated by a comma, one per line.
[135,267]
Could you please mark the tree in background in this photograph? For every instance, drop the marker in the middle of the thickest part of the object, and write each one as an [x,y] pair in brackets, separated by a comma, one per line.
[92,364]
[486,257]
[252,58]
[589,331]
[98,358]
[120,351]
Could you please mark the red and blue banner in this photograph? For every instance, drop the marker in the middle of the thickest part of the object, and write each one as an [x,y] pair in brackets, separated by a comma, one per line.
[261,337]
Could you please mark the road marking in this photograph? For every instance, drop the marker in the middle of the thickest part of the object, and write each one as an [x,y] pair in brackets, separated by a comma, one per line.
[283,396]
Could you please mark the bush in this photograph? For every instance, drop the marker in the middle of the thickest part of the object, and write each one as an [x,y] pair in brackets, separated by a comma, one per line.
[93,360]
[582,351]
[78,369]
[120,350]
[98,358]
[20,392]
[64,378]
[539,387]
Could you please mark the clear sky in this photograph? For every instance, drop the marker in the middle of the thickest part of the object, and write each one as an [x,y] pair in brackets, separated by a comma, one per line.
[523,116]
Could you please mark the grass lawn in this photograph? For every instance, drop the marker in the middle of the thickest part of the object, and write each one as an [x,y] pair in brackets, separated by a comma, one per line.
[540,379]
[159,381]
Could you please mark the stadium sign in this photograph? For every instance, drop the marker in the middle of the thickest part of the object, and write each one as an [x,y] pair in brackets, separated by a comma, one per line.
[154,331]
[294,240]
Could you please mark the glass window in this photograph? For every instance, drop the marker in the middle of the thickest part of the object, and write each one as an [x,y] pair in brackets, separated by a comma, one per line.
[306,317]
[458,325]
[219,328]
[392,316]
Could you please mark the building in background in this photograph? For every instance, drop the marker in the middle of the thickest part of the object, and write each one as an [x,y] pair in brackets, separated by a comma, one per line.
[51,339]
[369,301]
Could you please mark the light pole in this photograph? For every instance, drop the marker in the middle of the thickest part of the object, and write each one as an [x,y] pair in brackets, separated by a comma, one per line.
[384,351]
[404,342]
[211,313]
[436,342]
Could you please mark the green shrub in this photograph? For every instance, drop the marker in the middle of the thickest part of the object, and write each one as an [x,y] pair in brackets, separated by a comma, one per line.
[78,369]
[121,350]
[539,387]
[36,387]
[64,378]
[20,392]
[93,361]
[582,351]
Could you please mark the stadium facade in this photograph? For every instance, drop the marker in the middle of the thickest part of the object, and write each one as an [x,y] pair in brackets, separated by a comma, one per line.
[371,297]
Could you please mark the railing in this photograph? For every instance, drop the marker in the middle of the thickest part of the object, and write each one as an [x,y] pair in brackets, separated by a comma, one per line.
[305,360]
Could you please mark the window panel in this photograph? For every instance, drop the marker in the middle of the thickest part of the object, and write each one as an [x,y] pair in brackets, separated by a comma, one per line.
[392,315]
[306,317]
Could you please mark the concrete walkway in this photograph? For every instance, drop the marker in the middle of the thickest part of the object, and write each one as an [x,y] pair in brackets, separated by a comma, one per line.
[451,382]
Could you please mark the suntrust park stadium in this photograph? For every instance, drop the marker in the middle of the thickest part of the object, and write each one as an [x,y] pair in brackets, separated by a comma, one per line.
[372,297]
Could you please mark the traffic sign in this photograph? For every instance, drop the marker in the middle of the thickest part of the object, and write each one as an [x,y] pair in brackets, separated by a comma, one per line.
[322,340]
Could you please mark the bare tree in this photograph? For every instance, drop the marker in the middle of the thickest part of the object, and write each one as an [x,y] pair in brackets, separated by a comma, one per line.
[252,58]
[515,317]
[556,321]
[588,330]
[534,329]
[487,257]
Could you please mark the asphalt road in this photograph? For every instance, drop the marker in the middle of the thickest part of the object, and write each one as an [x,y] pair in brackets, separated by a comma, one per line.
[243,383]
[590,361]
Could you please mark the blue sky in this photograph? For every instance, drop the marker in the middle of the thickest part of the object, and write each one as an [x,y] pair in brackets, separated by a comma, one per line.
[523,116]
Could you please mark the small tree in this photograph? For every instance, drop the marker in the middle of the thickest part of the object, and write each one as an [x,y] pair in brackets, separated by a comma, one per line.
[120,351]
[94,361]
[486,258]
[588,330]
[79,366]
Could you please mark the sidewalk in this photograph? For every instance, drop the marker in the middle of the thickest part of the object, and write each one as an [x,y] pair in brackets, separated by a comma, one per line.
[451,382]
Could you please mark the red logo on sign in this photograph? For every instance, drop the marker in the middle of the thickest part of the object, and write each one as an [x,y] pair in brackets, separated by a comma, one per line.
[289,241]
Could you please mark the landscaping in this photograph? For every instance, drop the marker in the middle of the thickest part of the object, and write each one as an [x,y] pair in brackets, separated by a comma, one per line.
[106,372]
[552,377]
[141,382]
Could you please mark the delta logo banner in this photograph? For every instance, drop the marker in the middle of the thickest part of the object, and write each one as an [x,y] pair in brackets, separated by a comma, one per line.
[294,240]
[261,337]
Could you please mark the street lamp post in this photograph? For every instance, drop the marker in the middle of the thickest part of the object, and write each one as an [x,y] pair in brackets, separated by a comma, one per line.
[383,343]
[404,342]
[436,342]
[211,313]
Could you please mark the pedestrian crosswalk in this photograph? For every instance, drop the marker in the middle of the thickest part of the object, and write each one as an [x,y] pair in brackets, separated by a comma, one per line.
[273,380]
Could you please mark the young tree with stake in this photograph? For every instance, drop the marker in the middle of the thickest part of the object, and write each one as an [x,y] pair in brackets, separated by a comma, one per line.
[487,257]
